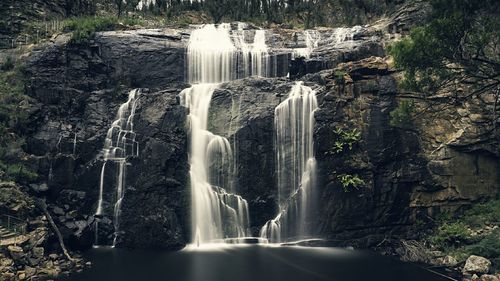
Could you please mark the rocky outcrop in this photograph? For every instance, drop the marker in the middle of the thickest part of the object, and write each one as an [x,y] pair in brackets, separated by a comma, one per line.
[403,185]
[249,127]
[79,89]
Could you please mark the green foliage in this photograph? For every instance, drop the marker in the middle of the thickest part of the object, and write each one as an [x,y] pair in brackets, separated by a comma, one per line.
[401,116]
[13,102]
[85,27]
[487,246]
[18,173]
[450,235]
[339,75]
[483,214]
[461,237]
[350,181]
[14,106]
[345,139]
[296,12]
[457,47]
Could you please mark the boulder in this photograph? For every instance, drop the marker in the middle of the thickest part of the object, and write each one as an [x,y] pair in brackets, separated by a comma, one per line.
[489,277]
[476,264]
[446,261]
[16,253]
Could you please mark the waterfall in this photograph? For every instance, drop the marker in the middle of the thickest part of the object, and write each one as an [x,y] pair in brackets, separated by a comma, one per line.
[344,34]
[255,59]
[259,55]
[218,213]
[312,38]
[295,165]
[211,55]
[119,144]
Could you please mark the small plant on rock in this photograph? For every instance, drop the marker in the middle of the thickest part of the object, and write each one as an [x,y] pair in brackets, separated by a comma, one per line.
[350,181]
[345,139]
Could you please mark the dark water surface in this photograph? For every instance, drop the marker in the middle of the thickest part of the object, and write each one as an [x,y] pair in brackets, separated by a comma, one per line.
[249,263]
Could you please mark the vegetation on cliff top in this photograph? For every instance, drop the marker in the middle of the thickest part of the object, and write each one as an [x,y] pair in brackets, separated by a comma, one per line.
[307,13]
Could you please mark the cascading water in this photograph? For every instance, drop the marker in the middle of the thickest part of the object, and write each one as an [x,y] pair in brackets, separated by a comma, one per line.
[217,211]
[259,54]
[119,144]
[295,165]
[312,38]
[255,59]
[344,34]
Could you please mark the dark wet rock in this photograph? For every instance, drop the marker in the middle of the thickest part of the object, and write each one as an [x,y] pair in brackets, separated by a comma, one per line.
[410,174]
[249,127]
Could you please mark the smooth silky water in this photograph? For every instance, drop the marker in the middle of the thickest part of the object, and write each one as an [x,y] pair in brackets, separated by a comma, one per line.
[248,263]
[219,215]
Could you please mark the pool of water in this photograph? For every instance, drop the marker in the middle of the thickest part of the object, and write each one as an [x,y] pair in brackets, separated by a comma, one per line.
[248,263]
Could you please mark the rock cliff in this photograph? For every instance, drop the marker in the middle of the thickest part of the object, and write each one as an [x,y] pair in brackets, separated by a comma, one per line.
[440,163]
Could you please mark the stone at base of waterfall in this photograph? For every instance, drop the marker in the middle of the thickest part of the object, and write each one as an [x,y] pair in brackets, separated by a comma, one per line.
[476,264]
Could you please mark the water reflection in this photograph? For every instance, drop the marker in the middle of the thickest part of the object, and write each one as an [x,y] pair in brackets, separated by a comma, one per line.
[248,263]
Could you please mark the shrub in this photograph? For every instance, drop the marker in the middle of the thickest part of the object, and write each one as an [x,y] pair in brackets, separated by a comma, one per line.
[345,139]
[19,173]
[401,115]
[483,214]
[451,235]
[350,181]
[83,28]
[339,75]
[488,246]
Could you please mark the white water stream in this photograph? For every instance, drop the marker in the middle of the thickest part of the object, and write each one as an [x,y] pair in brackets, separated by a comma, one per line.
[295,165]
[119,144]
[218,212]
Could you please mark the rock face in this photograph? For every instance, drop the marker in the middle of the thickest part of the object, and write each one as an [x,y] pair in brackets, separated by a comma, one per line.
[79,89]
[441,163]
[249,127]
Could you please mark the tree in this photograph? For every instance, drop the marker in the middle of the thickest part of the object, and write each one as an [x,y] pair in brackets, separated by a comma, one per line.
[120,4]
[217,9]
[457,52]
